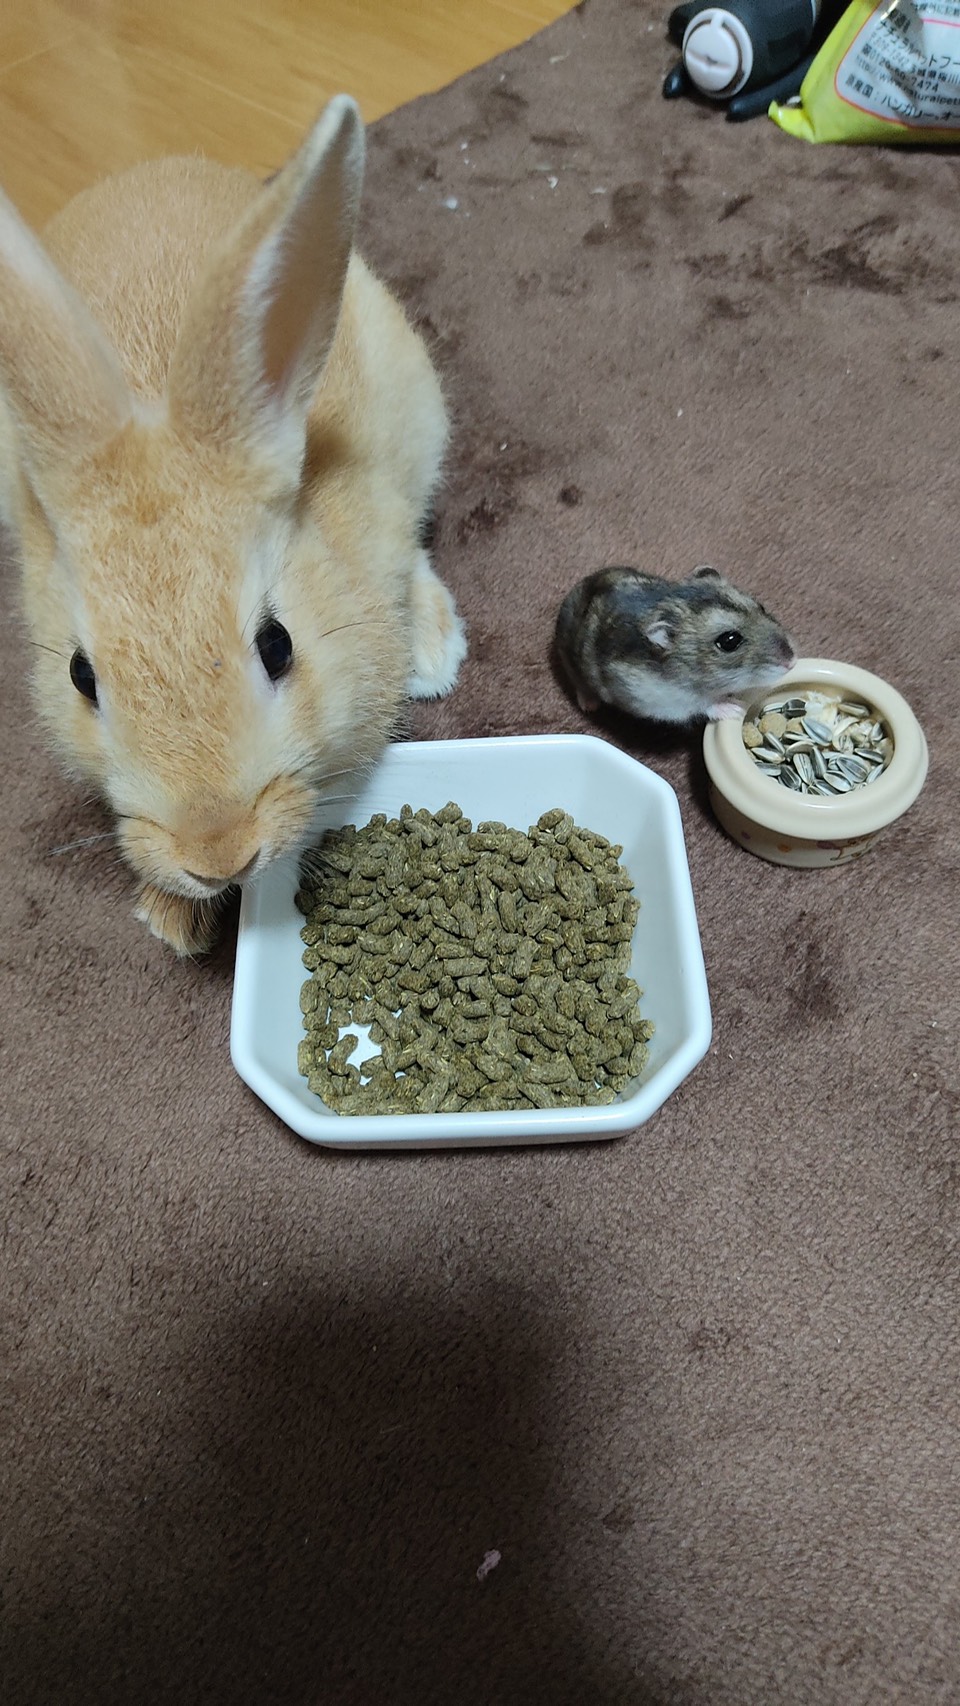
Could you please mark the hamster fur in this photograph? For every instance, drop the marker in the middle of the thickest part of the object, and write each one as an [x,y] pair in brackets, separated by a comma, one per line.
[666,650]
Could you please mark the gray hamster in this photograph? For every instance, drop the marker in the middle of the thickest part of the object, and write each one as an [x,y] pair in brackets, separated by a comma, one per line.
[668,650]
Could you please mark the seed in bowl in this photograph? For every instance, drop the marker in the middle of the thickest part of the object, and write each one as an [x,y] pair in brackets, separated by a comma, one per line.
[817,743]
[490,966]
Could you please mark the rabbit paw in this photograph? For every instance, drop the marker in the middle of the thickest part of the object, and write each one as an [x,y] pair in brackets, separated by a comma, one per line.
[187,926]
[440,637]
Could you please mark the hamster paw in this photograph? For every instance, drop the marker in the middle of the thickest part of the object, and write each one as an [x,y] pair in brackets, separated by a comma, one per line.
[726,708]
[439,635]
[187,926]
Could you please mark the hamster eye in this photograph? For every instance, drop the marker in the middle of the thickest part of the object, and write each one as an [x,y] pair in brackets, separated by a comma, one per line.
[82,676]
[729,641]
[275,647]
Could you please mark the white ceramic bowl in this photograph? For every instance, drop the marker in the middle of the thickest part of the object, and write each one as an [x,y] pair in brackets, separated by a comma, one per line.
[806,830]
[513,780]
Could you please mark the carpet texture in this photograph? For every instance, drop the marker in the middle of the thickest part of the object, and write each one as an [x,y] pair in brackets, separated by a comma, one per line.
[267,1409]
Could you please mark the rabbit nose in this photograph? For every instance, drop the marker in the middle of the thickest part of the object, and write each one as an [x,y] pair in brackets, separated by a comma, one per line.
[222,882]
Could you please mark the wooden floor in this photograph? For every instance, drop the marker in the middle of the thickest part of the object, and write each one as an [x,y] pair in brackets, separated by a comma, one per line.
[89,86]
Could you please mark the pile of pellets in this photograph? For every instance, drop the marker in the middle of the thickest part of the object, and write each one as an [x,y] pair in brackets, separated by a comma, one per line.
[488,965]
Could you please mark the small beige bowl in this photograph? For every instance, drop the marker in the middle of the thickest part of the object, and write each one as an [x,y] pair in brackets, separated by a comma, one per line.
[807,830]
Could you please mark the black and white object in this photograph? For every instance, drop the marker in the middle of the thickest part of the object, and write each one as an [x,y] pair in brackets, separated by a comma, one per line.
[746,51]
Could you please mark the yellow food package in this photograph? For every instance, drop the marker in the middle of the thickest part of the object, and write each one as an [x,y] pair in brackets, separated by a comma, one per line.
[888,72]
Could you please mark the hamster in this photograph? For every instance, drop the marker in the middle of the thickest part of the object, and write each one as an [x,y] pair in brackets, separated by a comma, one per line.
[666,650]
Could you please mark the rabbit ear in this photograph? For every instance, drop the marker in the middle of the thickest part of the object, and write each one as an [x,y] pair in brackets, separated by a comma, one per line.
[59,376]
[261,321]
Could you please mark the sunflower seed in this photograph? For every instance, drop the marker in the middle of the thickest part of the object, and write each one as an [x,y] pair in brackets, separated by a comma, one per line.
[813,746]
[817,730]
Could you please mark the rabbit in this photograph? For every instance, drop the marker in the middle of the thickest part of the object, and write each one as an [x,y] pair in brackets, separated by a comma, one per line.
[220,439]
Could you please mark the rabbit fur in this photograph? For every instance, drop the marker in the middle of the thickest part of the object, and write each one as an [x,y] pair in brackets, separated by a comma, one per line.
[215,420]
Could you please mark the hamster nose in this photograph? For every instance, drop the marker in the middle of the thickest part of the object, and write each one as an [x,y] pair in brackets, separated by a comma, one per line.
[222,882]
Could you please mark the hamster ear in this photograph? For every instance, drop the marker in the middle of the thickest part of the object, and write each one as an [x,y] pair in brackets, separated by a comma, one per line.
[661,633]
[259,326]
[706,573]
[59,375]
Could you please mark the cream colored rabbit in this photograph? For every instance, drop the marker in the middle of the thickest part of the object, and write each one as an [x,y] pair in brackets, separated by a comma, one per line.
[219,445]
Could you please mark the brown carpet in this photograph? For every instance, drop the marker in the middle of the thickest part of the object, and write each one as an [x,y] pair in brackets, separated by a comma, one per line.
[266,1408]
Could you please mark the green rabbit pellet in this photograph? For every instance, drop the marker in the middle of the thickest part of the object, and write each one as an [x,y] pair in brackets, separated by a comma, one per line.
[489,966]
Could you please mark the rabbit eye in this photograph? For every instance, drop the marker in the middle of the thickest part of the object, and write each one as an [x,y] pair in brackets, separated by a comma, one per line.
[730,641]
[276,649]
[82,676]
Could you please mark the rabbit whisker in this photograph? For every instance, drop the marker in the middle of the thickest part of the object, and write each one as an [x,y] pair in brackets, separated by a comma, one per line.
[307,769]
[83,841]
[54,651]
[366,622]
[255,612]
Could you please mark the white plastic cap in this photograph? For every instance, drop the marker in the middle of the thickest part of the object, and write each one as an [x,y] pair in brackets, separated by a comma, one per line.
[717,52]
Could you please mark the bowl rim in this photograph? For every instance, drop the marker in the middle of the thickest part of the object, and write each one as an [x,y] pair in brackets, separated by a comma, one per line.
[861,812]
[493,1128]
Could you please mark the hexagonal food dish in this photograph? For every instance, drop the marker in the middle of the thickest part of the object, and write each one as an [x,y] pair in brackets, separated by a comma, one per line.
[513,780]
